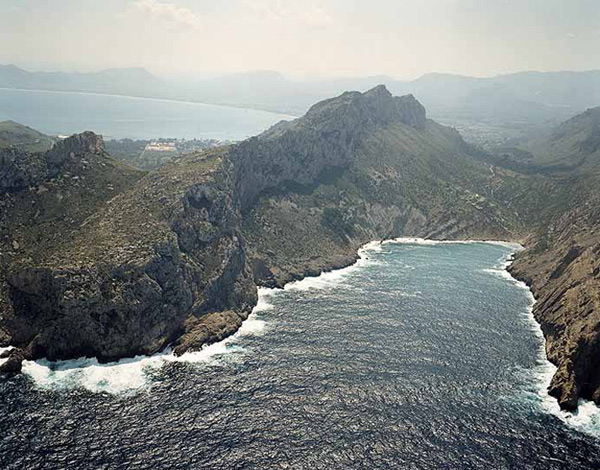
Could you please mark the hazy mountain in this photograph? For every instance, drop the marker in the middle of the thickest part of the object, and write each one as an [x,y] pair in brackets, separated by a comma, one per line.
[573,146]
[134,81]
[487,110]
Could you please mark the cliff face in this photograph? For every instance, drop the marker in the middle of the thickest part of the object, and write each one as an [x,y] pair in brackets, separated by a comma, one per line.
[99,259]
[562,266]
[163,250]
[45,199]
[107,262]
[561,262]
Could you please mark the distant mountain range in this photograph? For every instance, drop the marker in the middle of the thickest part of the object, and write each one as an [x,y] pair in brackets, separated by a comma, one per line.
[513,102]
[134,81]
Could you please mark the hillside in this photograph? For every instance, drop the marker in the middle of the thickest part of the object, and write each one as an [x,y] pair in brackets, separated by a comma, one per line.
[174,256]
[99,259]
[392,173]
[23,137]
[573,146]
[575,143]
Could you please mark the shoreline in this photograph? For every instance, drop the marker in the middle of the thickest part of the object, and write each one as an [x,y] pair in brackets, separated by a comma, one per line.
[325,275]
[164,100]
[586,418]
[44,372]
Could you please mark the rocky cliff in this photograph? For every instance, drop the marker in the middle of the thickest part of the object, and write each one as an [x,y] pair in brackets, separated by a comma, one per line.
[127,281]
[561,260]
[99,259]
[102,260]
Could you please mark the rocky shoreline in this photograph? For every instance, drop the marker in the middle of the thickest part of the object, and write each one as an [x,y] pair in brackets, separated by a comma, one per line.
[98,259]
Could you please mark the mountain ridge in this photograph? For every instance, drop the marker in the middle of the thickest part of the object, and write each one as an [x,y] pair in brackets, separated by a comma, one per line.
[174,256]
[536,98]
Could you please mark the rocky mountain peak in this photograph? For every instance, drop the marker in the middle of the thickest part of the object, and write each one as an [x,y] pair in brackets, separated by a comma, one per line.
[411,111]
[19,169]
[75,146]
[374,107]
[80,144]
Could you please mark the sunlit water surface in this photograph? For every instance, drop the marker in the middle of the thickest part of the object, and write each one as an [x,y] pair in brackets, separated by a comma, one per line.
[422,355]
[117,117]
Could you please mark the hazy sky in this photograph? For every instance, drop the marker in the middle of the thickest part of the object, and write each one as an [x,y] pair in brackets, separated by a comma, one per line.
[400,38]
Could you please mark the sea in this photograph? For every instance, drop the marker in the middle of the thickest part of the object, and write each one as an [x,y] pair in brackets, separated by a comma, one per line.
[422,355]
[119,117]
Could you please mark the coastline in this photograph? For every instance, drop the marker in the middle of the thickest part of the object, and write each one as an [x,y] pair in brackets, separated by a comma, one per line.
[128,375]
[586,418]
[163,100]
[44,372]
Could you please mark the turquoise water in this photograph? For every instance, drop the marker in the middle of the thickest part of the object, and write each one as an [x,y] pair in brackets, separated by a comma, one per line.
[420,356]
[65,113]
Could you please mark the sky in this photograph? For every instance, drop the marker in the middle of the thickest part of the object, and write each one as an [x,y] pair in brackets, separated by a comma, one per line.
[302,39]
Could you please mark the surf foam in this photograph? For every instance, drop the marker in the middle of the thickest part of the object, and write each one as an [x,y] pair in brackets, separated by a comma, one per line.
[133,374]
[336,277]
[428,242]
[586,418]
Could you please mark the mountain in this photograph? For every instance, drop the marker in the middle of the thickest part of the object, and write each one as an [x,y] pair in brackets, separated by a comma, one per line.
[488,111]
[99,259]
[553,91]
[129,81]
[173,257]
[26,138]
[571,147]
[575,143]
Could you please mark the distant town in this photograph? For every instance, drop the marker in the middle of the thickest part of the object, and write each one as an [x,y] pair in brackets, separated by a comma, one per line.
[151,154]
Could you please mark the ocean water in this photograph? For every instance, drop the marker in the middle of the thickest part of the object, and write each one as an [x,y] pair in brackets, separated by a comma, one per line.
[117,117]
[422,355]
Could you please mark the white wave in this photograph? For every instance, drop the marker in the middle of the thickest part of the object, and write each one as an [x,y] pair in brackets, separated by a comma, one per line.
[133,374]
[504,274]
[429,242]
[263,304]
[116,377]
[587,417]
[333,278]
[323,281]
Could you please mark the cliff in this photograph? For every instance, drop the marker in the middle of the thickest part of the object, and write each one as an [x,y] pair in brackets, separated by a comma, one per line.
[99,259]
[128,279]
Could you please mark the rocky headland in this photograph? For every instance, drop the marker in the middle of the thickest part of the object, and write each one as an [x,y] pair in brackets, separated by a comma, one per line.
[99,259]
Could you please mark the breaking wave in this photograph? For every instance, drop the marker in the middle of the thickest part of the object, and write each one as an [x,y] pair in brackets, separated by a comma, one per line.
[134,374]
[587,417]
[428,242]
[336,277]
